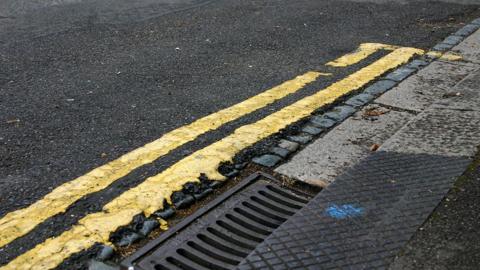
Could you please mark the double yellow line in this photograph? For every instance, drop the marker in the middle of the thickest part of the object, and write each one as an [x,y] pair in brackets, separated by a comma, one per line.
[18,223]
[149,195]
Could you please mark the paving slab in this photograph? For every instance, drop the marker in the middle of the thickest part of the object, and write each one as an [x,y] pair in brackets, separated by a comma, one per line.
[438,131]
[465,95]
[469,49]
[427,86]
[345,145]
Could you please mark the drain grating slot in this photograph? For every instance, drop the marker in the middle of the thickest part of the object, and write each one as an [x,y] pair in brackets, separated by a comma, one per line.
[221,236]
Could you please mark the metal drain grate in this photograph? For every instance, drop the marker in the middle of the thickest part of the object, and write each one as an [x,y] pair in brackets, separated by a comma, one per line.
[220,238]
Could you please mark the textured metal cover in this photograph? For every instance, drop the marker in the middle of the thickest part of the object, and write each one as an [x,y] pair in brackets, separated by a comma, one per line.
[362,220]
[226,232]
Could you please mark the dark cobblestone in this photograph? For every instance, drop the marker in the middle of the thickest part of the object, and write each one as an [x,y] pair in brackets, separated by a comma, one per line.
[380,87]
[181,200]
[129,238]
[166,212]
[148,226]
[105,253]
[190,188]
[442,47]
[418,64]
[359,100]
[290,146]
[453,40]
[312,130]
[467,30]
[217,184]
[340,113]
[301,139]
[202,194]
[232,173]
[267,160]
[96,265]
[322,122]
[282,152]
[400,74]
[241,165]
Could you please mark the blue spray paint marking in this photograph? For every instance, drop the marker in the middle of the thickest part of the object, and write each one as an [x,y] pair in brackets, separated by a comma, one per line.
[344,211]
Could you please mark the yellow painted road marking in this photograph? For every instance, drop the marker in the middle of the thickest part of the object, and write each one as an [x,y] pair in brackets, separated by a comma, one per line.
[20,222]
[149,195]
[364,51]
[448,56]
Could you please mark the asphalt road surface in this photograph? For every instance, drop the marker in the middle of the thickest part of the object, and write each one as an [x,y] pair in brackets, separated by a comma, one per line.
[83,82]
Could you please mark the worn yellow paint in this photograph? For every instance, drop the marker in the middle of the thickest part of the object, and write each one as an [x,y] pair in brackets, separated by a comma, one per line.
[364,51]
[163,224]
[448,56]
[20,222]
[150,195]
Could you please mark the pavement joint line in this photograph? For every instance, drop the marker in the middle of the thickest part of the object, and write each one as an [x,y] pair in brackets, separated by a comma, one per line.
[394,108]
[145,197]
[18,223]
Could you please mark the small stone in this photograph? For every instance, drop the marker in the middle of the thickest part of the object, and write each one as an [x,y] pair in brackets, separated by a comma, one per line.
[267,160]
[322,122]
[312,130]
[217,184]
[359,100]
[232,173]
[165,213]
[400,74]
[203,194]
[105,253]
[417,64]
[453,40]
[476,22]
[302,139]
[137,222]
[380,87]
[280,151]
[96,265]
[177,196]
[148,226]
[290,146]
[185,202]
[128,239]
[442,47]
[467,30]
[340,113]
[190,188]
[241,166]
